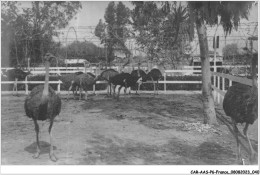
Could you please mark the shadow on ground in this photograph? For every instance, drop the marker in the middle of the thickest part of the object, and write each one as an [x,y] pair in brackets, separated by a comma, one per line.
[175,152]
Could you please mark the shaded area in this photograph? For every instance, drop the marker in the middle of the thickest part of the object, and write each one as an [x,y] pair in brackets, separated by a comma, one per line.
[136,130]
[44,146]
[107,151]
[156,112]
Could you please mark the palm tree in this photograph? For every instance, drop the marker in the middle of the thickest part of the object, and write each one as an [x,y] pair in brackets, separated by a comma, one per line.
[208,12]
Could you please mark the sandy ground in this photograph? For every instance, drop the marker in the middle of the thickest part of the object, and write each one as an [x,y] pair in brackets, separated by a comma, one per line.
[136,130]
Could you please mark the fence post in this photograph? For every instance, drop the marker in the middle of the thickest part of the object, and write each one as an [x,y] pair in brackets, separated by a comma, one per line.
[230,83]
[26,86]
[59,87]
[94,88]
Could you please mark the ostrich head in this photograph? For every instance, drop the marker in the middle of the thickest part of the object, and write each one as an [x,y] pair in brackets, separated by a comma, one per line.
[48,57]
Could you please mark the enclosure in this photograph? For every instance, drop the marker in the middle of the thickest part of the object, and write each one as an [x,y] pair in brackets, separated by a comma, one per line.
[145,129]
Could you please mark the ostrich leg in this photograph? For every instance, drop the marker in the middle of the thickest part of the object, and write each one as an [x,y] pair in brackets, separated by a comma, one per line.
[37,154]
[86,94]
[114,89]
[119,92]
[153,86]
[80,92]
[252,151]
[238,145]
[108,85]
[15,86]
[157,87]
[70,90]
[52,155]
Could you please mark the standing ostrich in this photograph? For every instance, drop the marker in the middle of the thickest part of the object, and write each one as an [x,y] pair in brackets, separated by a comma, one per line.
[68,81]
[124,80]
[139,73]
[16,75]
[84,81]
[107,75]
[241,104]
[155,75]
[43,104]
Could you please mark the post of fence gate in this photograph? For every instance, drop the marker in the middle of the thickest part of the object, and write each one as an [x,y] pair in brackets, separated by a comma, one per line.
[164,82]
[26,86]
[214,80]
[94,88]
[230,83]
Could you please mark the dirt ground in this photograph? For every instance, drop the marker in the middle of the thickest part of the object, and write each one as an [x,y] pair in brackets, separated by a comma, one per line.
[136,130]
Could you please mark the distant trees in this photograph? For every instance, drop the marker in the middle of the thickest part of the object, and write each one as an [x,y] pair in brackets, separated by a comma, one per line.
[28,31]
[230,52]
[114,33]
[83,50]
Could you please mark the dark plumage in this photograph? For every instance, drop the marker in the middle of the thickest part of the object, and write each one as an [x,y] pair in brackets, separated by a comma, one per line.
[42,104]
[124,80]
[139,73]
[241,104]
[155,75]
[107,75]
[68,80]
[84,81]
[16,75]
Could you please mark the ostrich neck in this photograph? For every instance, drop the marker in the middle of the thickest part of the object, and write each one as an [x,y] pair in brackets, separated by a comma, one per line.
[46,83]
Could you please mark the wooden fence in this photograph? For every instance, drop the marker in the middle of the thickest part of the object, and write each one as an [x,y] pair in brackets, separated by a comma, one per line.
[220,90]
[217,77]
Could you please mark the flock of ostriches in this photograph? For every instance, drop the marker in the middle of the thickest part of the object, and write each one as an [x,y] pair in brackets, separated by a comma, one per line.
[240,102]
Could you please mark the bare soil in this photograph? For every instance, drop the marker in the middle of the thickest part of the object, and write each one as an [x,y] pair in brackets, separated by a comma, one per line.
[134,130]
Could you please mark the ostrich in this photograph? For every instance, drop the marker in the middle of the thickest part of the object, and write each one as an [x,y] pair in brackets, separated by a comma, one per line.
[16,75]
[42,104]
[241,104]
[83,81]
[107,75]
[124,79]
[155,75]
[139,73]
[68,81]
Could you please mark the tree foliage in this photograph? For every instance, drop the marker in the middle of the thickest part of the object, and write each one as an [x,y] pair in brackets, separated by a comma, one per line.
[83,50]
[114,33]
[162,30]
[209,12]
[32,28]
[230,51]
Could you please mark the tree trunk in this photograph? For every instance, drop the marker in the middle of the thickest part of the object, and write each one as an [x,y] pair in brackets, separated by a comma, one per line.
[208,102]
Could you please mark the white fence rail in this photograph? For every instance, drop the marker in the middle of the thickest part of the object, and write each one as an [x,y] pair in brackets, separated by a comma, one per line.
[164,81]
[216,80]
[221,90]
[59,70]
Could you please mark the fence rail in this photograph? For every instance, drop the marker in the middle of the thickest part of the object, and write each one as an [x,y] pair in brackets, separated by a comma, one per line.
[94,87]
[222,90]
[216,80]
